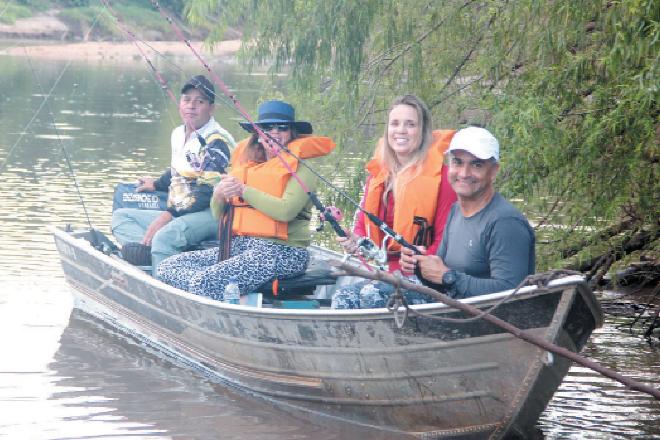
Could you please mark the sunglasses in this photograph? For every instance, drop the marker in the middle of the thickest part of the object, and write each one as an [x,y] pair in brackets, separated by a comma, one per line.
[279,127]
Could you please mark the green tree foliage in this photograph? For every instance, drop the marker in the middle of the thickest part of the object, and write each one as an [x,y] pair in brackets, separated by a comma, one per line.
[570,89]
[12,10]
[80,14]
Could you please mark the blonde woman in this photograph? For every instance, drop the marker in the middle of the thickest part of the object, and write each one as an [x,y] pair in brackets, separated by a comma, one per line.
[407,188]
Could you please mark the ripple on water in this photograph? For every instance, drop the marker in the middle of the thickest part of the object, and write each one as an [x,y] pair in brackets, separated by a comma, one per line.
[590,406]
[146,395]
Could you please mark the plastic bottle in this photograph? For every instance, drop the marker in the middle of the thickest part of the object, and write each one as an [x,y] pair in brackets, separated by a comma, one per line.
[370,297]
[232,294]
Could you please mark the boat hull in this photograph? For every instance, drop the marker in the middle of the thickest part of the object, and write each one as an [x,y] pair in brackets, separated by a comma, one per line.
[431,378]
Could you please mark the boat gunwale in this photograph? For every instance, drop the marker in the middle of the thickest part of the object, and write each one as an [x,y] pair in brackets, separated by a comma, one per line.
[327,313]
[434,345]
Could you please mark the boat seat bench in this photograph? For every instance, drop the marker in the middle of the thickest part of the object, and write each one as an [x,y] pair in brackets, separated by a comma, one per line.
[318,273]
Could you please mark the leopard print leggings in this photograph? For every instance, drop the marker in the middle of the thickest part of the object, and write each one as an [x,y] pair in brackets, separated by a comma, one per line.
[253,261]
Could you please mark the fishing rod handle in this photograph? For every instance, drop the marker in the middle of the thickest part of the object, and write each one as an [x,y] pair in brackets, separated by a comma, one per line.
[326,215]
[387,230]
[405,244]
[335,225]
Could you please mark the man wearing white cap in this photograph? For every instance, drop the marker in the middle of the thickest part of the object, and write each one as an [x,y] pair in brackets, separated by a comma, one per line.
[488,245]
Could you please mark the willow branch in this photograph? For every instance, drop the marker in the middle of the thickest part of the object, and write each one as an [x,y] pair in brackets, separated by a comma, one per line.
[462,64]
[385,56]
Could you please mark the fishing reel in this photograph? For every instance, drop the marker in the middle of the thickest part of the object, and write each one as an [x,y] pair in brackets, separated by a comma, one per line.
[368,249]
[330,212]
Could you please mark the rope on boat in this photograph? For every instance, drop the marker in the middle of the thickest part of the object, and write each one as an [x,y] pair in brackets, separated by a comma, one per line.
[539,280]
[379,275]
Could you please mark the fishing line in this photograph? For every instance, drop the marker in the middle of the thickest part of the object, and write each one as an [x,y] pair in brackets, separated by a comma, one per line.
[57,133]
[34,116]
[135,39]
[2,13]
[226,99]
[67,157]
[179,69]
[45,100]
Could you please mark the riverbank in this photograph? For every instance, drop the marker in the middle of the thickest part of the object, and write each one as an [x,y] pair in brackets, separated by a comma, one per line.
[47,36]
[115,51]
[46,25]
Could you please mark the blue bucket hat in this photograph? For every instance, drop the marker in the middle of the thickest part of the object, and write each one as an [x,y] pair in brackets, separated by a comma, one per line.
[278,112]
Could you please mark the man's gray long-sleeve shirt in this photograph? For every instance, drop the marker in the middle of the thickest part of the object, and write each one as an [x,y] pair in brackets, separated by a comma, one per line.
[491,251]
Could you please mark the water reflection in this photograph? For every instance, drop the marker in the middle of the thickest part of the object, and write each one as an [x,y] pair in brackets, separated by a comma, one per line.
[124,390]
[33,315]
[590,406]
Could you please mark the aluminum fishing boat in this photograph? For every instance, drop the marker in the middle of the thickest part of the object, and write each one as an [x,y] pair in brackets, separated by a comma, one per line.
[428,378]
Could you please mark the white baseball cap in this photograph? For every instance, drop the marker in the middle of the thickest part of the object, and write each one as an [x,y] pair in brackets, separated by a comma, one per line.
[477,141]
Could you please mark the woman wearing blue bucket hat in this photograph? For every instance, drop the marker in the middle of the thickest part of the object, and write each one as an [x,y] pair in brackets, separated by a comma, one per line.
[264,211]
[273,113]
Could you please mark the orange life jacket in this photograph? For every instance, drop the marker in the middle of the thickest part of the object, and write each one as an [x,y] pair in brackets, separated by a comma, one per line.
[270,177]
[413,197]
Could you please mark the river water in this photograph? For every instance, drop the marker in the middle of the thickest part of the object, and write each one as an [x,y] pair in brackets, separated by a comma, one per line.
[65,376]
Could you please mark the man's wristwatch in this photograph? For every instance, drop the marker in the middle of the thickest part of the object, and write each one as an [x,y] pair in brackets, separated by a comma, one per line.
[449,278]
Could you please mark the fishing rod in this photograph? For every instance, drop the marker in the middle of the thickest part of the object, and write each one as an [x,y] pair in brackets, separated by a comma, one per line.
[34,116]
[272,144]
[328,214]
[231,97]
[331,214]
[97,239]
[163,83]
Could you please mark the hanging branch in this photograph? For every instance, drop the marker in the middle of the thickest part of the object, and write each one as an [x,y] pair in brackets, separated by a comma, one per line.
[462,64]
[654,321]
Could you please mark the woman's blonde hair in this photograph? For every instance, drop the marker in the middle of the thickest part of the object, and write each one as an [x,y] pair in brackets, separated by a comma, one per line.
[398,173]
[255,152]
